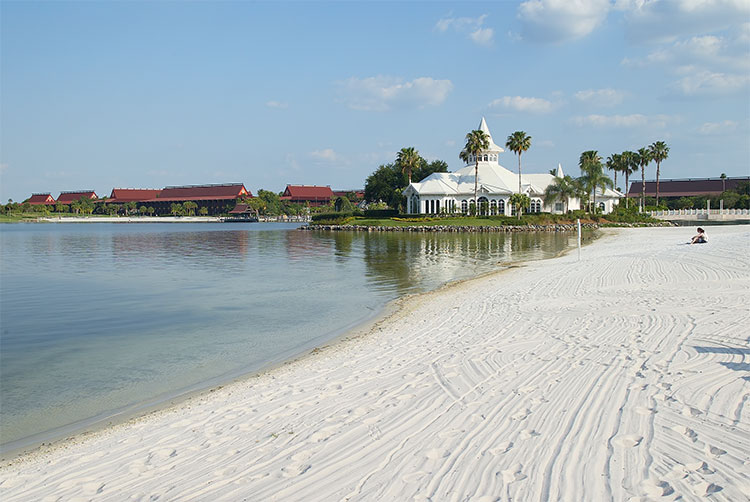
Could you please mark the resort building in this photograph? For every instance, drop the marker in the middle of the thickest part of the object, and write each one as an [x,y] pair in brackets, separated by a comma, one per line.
[307,195]
[688,187]
[454,192]
[70,197]
[358,193]
[41,199]
[125,195]
[215,198]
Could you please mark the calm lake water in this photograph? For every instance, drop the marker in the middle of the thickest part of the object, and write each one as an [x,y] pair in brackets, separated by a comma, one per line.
[99,319]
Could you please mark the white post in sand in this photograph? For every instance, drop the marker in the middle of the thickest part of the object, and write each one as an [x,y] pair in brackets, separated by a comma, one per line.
[579,239]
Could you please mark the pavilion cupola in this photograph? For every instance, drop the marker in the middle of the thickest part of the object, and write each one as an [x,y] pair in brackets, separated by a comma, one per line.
[491,155]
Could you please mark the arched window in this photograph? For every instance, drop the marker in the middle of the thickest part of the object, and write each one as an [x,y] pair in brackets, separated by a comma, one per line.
[501,206]
[602,206]
[483,205]
[464,206]
[493,207]
[485,157]
[414,204]
[536,206]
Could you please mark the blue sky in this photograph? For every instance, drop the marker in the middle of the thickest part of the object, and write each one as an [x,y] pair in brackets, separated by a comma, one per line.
[97,95]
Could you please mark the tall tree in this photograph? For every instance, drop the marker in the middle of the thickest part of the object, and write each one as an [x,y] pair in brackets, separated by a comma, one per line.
[477,141]
[408,159]
[629,166]
[659,151]
[386,183]
[592,174]
[644,157]
[520,201]
[518,142]
[614,164]
[561,189]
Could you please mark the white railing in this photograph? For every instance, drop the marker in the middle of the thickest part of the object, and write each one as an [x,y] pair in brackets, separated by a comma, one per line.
[701,212]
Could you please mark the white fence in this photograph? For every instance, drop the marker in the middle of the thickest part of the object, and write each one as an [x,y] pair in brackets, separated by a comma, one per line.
[702,214]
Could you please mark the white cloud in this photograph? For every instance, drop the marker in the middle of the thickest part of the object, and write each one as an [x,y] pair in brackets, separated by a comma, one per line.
[711,128]
[483,36]
[327,154]
[666,20]
[383,93]
[707,83]
[601,97]
[472,27]
[623,121]
[277,104]
[554,21]
[708,50]
[524,104]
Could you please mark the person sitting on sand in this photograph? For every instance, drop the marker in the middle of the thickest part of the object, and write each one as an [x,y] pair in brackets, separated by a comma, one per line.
[700,238]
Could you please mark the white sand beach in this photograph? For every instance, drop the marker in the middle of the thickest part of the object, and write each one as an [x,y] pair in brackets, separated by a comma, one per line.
[130,219]
[622,377]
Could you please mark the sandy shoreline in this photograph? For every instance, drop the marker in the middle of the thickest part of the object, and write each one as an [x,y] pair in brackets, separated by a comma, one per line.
[619,377]
[131,219]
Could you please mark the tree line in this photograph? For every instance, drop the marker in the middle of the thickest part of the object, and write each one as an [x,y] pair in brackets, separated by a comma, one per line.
[388,181]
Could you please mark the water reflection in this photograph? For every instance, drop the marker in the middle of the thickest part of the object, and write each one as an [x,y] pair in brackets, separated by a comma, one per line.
[96,317]
[184,246]
[417,262]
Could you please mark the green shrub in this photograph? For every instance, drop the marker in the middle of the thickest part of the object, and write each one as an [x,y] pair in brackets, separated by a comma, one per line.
[621,214]
[380,213]
[326,217]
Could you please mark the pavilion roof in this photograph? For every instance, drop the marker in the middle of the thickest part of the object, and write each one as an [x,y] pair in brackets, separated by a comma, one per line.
[307,192]
[202,192]
[68,197]
[41,199]
[133,194]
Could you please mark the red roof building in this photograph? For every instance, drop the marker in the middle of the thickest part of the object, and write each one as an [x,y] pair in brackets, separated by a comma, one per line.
[41,199]
[360,194]
[306,194]
[204,192]
[70,197]
[123,195]
[215,198]
[686,187]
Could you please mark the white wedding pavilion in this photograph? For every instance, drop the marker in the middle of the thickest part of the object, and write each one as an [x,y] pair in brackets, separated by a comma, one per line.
[454,192]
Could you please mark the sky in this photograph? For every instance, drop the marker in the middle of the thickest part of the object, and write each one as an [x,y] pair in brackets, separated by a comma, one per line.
[98,95]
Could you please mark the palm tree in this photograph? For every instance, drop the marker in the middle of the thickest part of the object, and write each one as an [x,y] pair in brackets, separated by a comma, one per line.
[408,159]
[644,157]
[629,166]
[476,142]
[518,142]
[190,207]
[659,151]
[519,202]
[593,176]
[723,182]
[561,189]
[614,164]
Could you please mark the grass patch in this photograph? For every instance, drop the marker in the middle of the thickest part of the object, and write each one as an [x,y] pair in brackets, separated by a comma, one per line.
[620,215]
